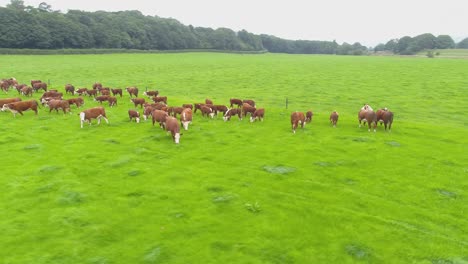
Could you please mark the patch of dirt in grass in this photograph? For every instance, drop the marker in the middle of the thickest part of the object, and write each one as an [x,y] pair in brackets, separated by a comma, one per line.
[71,198]
[362,139]
[226,198]
[221,246]
[134,173]
[33,147]
[446,193]
[112,141]
[358,251]
[393,143]
[49,169]
[279,169]
[215,189]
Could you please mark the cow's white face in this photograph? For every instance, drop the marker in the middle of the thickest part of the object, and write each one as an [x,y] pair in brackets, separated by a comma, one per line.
[137,120]
[185,124]
[177,138]
[5,107]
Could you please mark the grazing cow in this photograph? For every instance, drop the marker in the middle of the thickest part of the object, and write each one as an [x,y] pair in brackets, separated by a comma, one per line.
[19,107]
[219,108]
[235,101]
[51,94]
[187,106]
[101,98]
[93,113]
[258,114]
[186,118]
[132,91]
[175,110]
[76,101]
[205,110]
[151,93]
[232,112]
[105,92]
[9,100]
[367,107]
[38,86]
[91,93]
[116,91]
[297,118]
[160,117]
[160,106]
[19,87]
[369,117]
[138,101]
[173,126]
[247,108]
[70,89]
[309,115]
[148,111]
[250,102]
[35,81]
[82,91]
[134,114]
[97,86]
[197,106]
[334,118]
[158,99]
[112,100]
[27,91]
[59,105]
[386,117]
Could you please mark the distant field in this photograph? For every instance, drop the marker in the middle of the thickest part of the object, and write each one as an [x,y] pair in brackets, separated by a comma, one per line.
[448,53]
[240,192]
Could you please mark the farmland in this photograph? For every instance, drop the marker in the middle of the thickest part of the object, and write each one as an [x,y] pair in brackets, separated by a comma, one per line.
[240,192]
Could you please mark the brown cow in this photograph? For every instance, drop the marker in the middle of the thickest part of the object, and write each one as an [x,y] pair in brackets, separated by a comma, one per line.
[187,106]
[19,107]
[35,81]
[297,118]
[101,98]
[132,91]
[39,86]
[197,106]
[208,101]
[309,115]
[4,85]
[175,110]
[18,87]
[9,100]
[386,117]
[93,113]
[70,89]
[97,86]
[205,110]
[158,99]
[235,101]
[173,126]
[219,108]
[116,91]
[247,108]
[250,102]
[51,94]
[82,91]
[258,114]
[134,114]
[232,112]
[105,92]
[369,117]
[138,101]
[334,118]
[27,91]
[151,93]
[76,101]
[59,104]
[148,111]
[160,117]
[91,93]
[186,118]
[112,100]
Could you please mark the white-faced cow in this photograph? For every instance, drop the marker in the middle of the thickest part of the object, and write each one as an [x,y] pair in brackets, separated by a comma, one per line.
[76,101]
[134,114]
[112,101]
[93,113]
[206,111]
[368,116]
[334,118]
[97,86]
[151,93]
[160,117]
[232,112]
[138,101]
[101,98]
[27,91]
[186,117]
[309,115]
[297,118]
[39,86]
[162,99]
[247,108]
[258,114]
[172,125]
[63,105]
[70,89]
[21,106]
[116,91]
[82,91]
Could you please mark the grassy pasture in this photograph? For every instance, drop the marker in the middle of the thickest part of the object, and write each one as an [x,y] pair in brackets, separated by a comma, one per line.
[240,192]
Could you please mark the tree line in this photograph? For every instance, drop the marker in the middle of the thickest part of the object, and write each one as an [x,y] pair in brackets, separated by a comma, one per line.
[411,45]
[28,27]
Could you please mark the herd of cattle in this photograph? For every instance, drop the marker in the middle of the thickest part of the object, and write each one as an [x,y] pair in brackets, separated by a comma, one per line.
[158,110]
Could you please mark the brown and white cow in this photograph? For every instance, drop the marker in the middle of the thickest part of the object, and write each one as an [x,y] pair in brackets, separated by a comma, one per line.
[187,106]
[232,112]
[91,92]
[76,101]
[39,86]
[35,81]
[18,87]
[138,101]
[27,91]
[175,110]
[4,85]
[101,98]
[369,117]
[386,117]
[104,91]
[97,86]
[160,117]
[186,117]
[297,118]
[9,100]
[309,115]
[258,114]
[235,101]
[247,108]
[63,105]
[219,108]
[158,99]
[334,118]
[151,93]
[93,113]
[116,91]
[112,100]
[148,111]
[173,126]
[132,91]
[82,91]
[21,106]
[134,114]
[69,89]
[248,101]
[208,101]
[206,110]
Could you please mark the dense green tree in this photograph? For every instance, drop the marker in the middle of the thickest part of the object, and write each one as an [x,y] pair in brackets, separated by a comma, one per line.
[444,42]
[463,44]
[379,47]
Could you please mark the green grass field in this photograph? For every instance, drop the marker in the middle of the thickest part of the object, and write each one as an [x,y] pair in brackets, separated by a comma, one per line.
[240,192]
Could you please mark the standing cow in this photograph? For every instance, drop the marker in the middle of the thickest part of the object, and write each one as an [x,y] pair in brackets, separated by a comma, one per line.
[93,113]
[134,114]
[172,125]
[186,117]
[334,118]
[258,114]
[297,118]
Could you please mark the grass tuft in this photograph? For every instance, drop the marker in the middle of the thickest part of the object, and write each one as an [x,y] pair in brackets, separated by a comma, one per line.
[279,169]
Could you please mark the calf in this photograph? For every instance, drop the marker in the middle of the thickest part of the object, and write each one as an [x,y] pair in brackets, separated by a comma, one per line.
[258,114]
[250,102]
[70,89]
[232,112]
[97,86]
[186,117]
[76,101]
[160,117]
[59,104]
[235,101]
[176,110]
[220,108]
[4,85]
[138,101]
[35,81]
[151,93]
[93,113]
[297,118]
[105,92]
[116,91]
[101,98]
[309,115]
[132,91]
[173,126]
[134,114]
[205,110]
[19,107]
[247,108]
[112,101]
[334,118]
[368,116]
[18,87]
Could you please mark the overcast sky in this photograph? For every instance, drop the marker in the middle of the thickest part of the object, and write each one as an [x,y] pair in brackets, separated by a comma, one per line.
[366,21]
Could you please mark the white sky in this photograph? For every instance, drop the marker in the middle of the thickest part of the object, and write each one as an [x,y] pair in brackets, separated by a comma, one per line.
[366,21]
